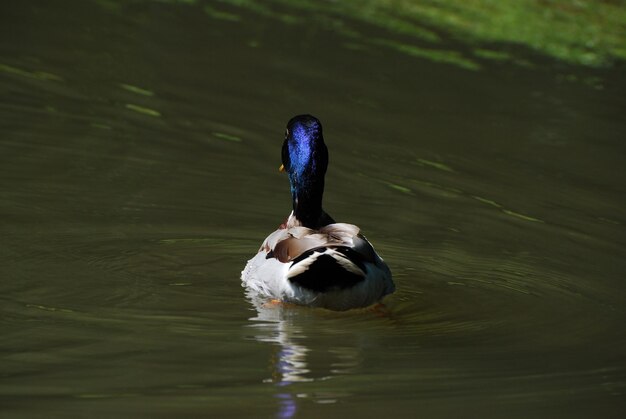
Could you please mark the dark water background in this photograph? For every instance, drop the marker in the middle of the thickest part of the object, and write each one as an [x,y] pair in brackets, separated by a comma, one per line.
[139,147]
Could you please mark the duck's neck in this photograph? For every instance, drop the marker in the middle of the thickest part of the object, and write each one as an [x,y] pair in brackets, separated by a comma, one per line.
[307,190]
[307,204]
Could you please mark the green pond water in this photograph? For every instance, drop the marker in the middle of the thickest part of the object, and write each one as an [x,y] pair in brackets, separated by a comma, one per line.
[139,152]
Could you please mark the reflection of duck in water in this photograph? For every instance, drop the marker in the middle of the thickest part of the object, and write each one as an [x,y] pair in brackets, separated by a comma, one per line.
[297,359]
[288,363]
[310,259]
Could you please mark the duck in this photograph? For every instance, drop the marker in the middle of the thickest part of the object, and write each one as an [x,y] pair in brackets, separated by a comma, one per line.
[311,260]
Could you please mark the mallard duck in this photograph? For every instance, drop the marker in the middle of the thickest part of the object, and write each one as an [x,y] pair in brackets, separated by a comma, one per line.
[312,260]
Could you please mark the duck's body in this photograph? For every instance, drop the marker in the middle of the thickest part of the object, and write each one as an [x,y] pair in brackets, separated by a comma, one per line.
[312,260]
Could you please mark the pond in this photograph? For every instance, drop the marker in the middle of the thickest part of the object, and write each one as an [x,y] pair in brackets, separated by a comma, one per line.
[139,152]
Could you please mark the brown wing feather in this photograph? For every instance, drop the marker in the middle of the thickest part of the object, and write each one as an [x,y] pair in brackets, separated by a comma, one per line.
[288,244]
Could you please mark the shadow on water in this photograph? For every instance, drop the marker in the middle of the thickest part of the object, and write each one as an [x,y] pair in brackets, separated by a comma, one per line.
[138,154]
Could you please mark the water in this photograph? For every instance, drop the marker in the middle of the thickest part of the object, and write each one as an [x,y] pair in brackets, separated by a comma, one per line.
[138,172]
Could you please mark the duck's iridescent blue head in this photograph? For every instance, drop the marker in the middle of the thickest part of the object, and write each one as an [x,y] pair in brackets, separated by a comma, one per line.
[305,159]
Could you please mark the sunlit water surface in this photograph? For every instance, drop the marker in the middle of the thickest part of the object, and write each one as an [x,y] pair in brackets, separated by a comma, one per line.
[139,151]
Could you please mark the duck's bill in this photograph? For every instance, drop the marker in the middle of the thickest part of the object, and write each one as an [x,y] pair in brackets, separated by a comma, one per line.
[281,168]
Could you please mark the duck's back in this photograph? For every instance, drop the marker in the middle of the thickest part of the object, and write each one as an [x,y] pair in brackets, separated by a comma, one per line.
[333,267]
